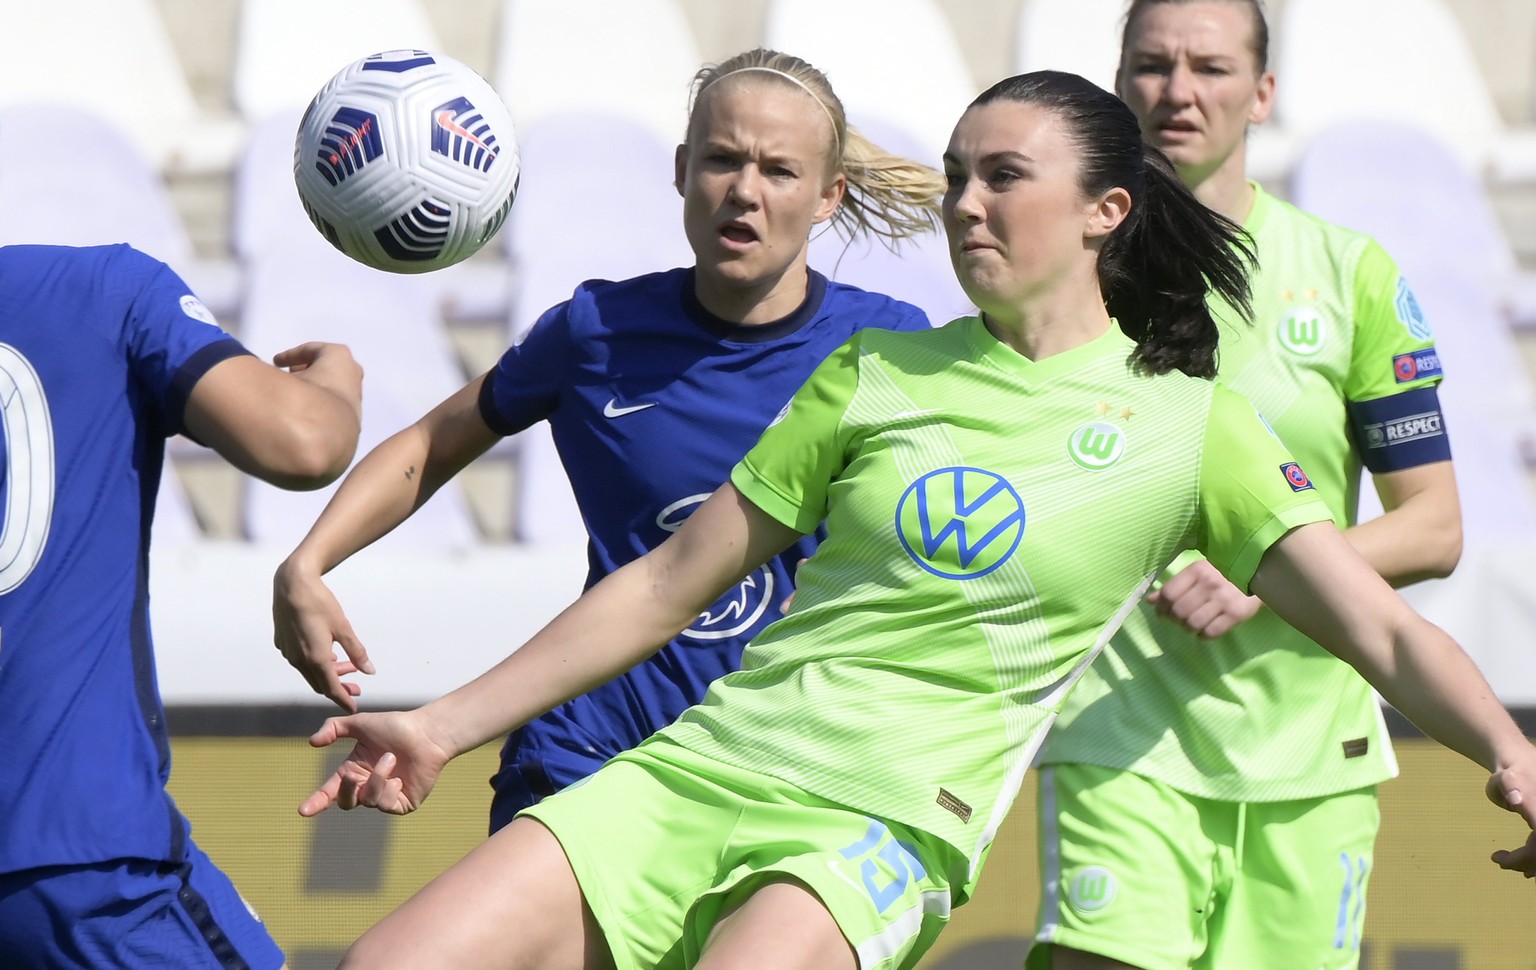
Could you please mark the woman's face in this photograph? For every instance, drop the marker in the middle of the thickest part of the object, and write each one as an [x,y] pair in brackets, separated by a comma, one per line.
[754,176]
[1189,73]
[1016,219]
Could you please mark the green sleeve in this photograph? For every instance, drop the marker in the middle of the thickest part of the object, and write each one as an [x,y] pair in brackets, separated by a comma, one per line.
[787,472]
[1389,325]
[1252,492]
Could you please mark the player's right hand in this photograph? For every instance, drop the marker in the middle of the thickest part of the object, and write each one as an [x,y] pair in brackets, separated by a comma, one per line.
[392,767]
[1514,789]
[307,624]
[327,365]
[1203,601]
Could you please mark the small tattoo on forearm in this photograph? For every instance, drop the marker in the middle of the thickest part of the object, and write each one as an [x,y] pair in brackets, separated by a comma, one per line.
[410,473]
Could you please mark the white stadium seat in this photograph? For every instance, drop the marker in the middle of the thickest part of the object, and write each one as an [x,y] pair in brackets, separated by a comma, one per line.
[891,62]
[632,58]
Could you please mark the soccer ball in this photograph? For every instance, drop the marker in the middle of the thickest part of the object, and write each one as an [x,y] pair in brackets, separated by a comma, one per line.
[406,161]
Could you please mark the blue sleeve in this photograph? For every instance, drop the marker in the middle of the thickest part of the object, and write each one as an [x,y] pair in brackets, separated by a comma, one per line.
[524,386]
[171,339]
[912,318]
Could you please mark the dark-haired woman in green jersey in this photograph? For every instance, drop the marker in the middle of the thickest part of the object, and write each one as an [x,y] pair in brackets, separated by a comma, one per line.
[998,493]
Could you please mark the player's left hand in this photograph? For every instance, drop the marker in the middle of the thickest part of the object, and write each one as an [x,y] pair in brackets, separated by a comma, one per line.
[393,765]
[1514,789]
[1201,600]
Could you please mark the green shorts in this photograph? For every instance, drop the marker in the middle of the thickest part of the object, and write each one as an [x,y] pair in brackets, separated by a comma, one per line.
[663,841]
[1139,872]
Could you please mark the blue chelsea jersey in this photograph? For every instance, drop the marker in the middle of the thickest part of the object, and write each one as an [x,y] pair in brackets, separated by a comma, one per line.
[651,401]
[99,350]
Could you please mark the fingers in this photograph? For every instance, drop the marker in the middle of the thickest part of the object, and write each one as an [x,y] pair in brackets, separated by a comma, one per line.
[1521,860]
[300,357]
[322,798]
[355,650]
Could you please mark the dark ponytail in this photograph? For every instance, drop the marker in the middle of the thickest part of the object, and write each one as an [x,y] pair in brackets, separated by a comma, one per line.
[1158,267]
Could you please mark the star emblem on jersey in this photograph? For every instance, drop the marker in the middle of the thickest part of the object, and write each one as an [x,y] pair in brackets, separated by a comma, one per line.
[960,523]
[1097,445]
[612,409]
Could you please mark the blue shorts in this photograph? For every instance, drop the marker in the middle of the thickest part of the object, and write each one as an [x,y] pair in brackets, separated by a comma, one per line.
[131,913]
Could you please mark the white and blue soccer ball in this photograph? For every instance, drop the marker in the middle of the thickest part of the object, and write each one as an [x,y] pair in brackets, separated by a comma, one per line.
[406,161]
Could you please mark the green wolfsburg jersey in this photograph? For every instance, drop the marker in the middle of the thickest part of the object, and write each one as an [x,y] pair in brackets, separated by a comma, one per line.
[990,520]
[1264,714]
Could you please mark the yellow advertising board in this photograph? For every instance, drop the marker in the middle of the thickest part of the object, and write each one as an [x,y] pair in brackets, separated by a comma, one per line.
[1436,902]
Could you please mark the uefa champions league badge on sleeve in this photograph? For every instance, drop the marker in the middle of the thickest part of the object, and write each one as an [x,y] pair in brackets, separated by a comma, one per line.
[1419,365]
[194,308]
[1295,477]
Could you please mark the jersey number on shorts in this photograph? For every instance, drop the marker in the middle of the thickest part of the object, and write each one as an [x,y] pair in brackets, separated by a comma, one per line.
[28,469]
[886,866]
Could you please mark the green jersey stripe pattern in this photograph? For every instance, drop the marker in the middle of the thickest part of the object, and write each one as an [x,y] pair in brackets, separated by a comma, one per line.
[988,519]
[1264,714]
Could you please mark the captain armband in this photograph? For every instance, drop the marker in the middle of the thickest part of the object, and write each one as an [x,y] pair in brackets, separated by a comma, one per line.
[1401,431]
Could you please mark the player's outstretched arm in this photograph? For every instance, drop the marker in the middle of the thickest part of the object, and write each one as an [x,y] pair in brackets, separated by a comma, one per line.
[613,626]
[295,428]
[1316,582]
[386,486]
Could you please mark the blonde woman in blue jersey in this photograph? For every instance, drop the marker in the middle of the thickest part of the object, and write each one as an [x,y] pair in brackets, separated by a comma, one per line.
[653,388]
[998,493]
[1213,804]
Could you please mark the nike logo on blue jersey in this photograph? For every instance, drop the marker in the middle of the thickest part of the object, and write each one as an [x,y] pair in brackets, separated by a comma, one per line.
[612,409]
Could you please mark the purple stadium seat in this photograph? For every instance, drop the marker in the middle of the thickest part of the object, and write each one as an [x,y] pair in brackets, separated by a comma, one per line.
[1427,209]
[109,194]
[392,324]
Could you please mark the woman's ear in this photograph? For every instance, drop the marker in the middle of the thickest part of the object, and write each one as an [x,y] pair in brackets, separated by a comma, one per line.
[1112,208]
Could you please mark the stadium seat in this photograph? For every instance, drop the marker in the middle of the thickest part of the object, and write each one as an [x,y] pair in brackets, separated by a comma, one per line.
[1081,36]
[631,58]
[893,62]
[1393,60]
[392,325]
[109,194]
[580,217]
[278,68]
[1440,219]
[1410,193]
[116,61]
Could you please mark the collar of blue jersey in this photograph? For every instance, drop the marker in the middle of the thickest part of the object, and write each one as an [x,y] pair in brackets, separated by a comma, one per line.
[756,333]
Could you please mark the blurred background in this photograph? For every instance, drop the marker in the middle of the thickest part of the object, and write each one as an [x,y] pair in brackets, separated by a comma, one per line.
[169,124]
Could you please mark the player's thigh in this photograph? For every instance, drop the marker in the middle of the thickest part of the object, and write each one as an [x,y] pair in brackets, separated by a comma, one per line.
[1127,870]
[131,913]
[865,886]
[781,918]
[643,836]
[511,902]
[1298,898]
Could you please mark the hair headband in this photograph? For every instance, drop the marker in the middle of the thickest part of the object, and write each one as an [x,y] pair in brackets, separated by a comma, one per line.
[837,138]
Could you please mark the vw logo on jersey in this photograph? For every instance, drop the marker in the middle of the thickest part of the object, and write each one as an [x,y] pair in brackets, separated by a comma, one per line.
[739,609]
[1409,314]
[960,523]
[1303,332]
[1096,446]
